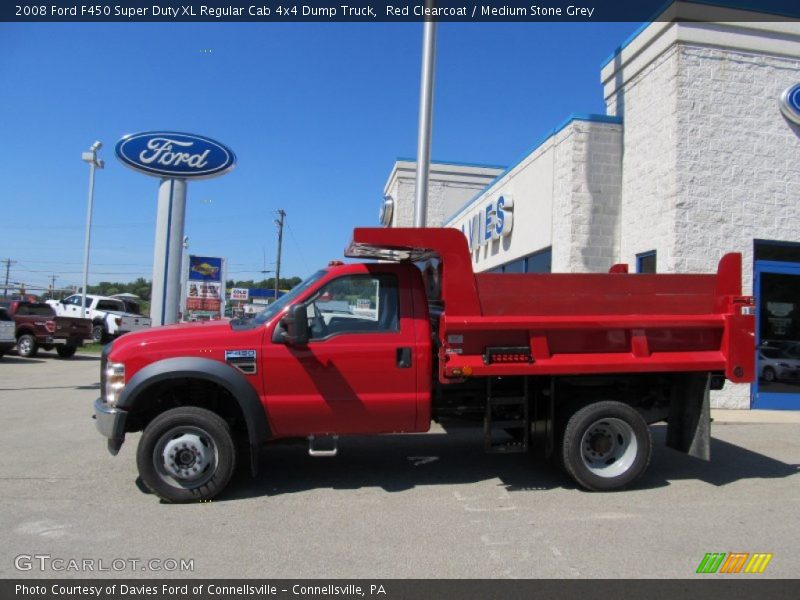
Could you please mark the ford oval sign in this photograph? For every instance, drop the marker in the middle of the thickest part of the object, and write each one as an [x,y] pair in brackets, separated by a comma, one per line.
[790,103]
[175,155]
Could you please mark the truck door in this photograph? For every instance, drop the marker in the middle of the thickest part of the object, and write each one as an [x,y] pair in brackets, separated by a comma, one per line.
[72,306]
[357,374]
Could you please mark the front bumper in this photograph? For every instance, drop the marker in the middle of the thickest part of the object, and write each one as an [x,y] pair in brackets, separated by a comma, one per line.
[110,423]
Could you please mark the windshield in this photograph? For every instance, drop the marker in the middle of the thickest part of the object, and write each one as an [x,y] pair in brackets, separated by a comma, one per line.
[277,306]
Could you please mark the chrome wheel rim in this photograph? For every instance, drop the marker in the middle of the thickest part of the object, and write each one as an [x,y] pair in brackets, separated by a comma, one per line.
[609,447]
[186,457]
[24,345]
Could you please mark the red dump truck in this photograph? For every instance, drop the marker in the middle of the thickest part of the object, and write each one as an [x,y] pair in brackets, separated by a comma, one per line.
[576,365]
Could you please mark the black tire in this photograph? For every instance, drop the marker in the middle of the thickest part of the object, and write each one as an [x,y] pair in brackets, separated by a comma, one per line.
[27,346]
[769,375]
[195,438]
[99,334]
[66,351]
[606,446]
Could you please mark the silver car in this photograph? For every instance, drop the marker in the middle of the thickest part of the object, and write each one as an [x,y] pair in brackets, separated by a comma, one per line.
[7,339]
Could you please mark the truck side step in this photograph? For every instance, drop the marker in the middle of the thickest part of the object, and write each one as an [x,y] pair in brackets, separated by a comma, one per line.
[506,412]
[330,451]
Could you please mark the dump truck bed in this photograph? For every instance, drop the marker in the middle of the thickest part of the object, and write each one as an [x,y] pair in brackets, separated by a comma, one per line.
[561,324]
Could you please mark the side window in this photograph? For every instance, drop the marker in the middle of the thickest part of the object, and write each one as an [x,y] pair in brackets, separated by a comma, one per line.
[76,301]
[109,305]
[355,304]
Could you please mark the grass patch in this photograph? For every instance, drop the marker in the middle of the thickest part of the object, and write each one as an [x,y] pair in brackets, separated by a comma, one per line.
[91,348]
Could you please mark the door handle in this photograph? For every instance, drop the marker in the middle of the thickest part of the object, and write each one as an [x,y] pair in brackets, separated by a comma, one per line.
[404,358]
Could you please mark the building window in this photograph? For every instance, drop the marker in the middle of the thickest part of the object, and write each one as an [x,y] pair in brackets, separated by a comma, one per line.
[539,262]
[646,262]
[776,251]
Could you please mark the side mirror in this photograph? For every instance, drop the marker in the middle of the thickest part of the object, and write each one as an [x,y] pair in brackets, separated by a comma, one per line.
[296,323]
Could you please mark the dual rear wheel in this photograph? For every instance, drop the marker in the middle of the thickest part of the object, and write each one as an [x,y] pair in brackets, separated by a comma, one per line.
[606,446]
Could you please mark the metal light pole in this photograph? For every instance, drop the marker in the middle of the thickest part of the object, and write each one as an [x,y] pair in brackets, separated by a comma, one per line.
[94,163]
[425,119]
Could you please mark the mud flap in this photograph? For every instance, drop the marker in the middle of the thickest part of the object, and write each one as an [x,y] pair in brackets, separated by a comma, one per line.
[689,422]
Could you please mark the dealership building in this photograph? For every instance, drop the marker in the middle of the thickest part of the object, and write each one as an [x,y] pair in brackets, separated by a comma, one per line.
[697,155]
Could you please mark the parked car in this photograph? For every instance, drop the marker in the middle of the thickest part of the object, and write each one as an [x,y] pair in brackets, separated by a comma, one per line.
[7,339]
[37,326]
[778,364]
[111,316]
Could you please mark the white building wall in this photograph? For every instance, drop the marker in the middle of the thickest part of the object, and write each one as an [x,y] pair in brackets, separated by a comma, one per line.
[649,189]
[449,187]
[566,196]
[530,185]
[587,196]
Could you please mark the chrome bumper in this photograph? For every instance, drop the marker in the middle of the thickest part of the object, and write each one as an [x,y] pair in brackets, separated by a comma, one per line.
[110,423]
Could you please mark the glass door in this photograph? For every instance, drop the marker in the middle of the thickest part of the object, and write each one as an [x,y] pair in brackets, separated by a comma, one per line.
[777,289]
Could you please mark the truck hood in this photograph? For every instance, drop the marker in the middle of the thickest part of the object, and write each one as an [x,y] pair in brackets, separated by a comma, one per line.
[170,340]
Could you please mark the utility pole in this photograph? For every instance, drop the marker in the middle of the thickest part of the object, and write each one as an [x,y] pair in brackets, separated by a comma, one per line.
[279,223]
[53,286]
[8,262]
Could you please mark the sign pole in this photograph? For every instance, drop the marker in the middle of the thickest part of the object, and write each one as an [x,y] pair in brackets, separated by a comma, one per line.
[168,252]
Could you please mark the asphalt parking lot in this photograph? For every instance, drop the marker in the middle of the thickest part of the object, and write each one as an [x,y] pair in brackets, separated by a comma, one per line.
[431,506]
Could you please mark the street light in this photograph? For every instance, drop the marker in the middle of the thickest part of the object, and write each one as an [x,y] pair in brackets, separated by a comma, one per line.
[94,163]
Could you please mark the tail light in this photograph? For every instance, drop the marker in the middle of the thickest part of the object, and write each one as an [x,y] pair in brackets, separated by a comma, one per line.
[507,354]
[118,321]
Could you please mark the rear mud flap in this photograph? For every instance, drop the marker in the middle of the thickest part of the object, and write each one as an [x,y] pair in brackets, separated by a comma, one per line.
[689,423]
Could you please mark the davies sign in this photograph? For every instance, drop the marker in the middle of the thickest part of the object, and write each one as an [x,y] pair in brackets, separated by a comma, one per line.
[175,155]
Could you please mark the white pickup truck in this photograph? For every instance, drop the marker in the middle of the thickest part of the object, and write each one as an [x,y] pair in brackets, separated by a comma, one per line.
[111,315]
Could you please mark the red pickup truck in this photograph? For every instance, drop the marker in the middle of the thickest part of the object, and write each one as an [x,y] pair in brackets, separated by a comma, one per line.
[577,365]
[37,326]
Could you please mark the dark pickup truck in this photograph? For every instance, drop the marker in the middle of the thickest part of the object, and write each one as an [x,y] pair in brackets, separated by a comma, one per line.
[37,326]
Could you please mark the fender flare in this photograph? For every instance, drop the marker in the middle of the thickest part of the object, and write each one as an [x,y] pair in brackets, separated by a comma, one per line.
[255,417]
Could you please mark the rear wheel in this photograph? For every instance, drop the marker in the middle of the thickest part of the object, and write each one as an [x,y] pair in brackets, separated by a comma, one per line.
[769,374]
[99,334]
[66,351]
[26,346]
[606,446]
[186,454]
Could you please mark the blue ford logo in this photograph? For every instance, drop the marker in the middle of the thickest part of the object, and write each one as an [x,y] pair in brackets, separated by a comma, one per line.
[175,155]
[790,103]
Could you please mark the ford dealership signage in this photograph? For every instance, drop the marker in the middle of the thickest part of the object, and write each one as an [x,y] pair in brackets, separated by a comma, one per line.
[492,222]
[790,103]
[175,155]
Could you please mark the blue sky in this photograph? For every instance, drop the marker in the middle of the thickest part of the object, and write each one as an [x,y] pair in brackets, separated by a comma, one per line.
[316,113]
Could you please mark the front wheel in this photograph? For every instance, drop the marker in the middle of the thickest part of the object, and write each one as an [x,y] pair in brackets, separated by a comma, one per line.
[26,346]
[606,446]
[186,454]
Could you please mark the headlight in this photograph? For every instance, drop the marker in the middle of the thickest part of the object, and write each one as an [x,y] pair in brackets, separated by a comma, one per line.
[115,381]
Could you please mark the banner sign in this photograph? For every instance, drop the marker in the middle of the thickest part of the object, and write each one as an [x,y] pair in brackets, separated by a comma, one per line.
[204,287]
[240,294]
[331,11]
[205,268]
